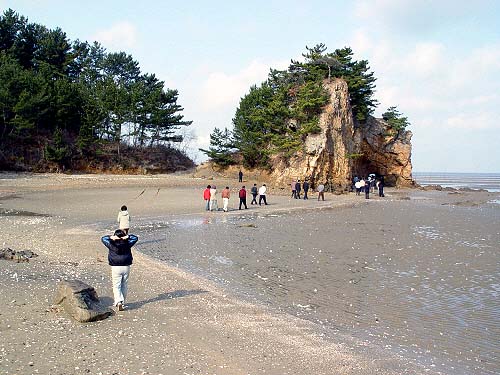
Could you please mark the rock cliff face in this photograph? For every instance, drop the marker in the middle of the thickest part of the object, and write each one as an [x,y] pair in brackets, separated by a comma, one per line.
[341,150]
[384,152]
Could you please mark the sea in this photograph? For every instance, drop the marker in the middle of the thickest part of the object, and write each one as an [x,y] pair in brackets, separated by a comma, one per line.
[485,181]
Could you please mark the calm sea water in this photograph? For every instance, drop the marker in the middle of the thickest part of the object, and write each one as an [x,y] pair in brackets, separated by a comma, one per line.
[486,181]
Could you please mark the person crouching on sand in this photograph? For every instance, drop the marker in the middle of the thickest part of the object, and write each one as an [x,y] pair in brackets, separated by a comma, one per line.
[124,219]
[120,258]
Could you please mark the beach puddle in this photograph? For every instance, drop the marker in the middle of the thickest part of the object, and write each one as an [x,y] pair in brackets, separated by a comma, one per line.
[427,232]
[14,212]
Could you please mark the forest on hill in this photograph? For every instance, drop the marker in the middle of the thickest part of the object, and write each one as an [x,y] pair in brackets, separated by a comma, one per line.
[276,116]
[72,105]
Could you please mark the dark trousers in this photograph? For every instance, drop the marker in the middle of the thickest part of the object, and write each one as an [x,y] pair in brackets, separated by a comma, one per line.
[297,194]
[262,198]
[254,199]
[243,201]
[305,194]
[367,191]
[381,191]
[293,194]
[321,195]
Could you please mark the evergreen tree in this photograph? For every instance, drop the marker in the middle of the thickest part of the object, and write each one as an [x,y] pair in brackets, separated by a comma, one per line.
[78,93]
[221,147]
[395,119]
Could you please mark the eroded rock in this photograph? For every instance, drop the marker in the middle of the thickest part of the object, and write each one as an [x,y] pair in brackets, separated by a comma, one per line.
[342,149]
[80,301]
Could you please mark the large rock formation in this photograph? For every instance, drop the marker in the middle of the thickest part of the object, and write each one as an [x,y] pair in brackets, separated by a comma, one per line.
[342,150]
[383,151]
[325,157]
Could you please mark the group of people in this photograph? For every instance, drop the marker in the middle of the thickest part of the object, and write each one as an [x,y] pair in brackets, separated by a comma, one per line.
[120,243]
[369,185]
[297,188]
[210,197]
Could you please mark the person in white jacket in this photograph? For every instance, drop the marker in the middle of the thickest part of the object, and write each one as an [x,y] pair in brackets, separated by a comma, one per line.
[262,194]
[124,219]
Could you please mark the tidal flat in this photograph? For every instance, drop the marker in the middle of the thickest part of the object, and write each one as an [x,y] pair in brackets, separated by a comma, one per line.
[403,284]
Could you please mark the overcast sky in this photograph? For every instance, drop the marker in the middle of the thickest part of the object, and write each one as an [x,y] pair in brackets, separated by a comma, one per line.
[438,61]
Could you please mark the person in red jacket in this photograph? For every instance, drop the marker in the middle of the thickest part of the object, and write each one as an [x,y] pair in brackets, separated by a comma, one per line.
[206,197]
[243,197]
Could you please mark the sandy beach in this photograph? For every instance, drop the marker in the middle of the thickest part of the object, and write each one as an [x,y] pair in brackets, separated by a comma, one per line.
[345,286]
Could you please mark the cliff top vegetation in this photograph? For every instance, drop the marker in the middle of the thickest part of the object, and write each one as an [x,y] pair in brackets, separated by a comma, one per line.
[276,116]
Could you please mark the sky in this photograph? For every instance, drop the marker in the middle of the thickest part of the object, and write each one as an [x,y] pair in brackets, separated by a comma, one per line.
[438,61]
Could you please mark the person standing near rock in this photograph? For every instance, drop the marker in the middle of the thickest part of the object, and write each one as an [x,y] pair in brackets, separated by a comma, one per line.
[206,197]
[262,194]
[305,186]
[362,184]
[294,196]
[321,192]
[124,219]
[357,185]
[254,192]
[381,187]
[243,197]
[297,189]
[225,198]
[240,176]
[367,189]
[120,259]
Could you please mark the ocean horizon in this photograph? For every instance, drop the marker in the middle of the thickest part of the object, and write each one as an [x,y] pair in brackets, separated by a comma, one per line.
[485,181]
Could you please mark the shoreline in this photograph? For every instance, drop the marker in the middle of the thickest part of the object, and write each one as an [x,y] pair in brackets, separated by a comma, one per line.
[198,315]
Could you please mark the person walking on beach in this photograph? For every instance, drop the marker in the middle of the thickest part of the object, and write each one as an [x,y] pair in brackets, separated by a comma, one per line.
[362,184]
[321,192]
[381,187]
[225,198]
[123,219]
[367,189]
[305,185]
[120,259]
[240,176]
[357,185]
[355,180]
[213,198]
[254,192]
[294,196]
[262,194]
[206,197]
[243,197]
[297,190]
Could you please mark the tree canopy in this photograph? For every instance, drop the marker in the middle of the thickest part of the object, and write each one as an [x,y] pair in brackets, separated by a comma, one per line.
[276,116]
[69,96]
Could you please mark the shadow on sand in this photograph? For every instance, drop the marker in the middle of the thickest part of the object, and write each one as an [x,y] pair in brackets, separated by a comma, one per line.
[165,296]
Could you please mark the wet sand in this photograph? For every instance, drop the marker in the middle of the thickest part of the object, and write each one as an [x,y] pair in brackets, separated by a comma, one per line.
[297,287]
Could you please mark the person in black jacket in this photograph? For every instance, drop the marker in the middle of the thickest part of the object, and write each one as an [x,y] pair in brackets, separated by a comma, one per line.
[305,185]
[297,190]
[120,258]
